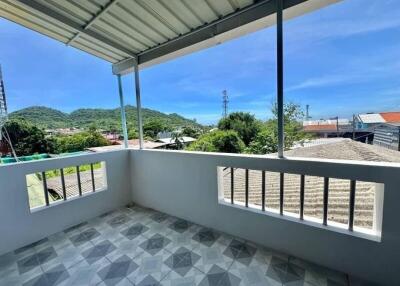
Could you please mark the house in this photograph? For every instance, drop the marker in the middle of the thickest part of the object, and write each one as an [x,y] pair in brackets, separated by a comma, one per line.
[161,217]
[387,135]
[134,144]
[170,142]
[327,128]
[369,120]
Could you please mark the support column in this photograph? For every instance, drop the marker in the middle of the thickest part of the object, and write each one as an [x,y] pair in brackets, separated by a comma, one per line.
[122,108]
[279,58]
[138,105]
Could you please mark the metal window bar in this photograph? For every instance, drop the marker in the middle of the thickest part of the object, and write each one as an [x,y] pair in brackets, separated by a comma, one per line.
[326,191]
[263,191]
[302,183]
[352,204]
[232,184]
[64,190]
[281,187]
[247,187]
[46,192]
[92,175]
[78,175]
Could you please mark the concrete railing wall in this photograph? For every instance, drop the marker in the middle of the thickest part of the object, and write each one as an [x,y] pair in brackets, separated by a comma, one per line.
[185,184]
[19,226]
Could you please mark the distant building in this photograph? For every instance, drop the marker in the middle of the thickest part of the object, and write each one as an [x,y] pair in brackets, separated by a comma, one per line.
[327,128]
[170,142]
[387,135]
[370,120]
[134,144]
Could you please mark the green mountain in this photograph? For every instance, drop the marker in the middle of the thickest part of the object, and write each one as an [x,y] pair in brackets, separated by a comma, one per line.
[49,118]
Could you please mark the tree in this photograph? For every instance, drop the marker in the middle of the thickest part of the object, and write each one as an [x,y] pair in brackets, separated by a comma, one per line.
[80,141]
[178,140]
[190,132]
[244,123]
[153,127]
[218,141]
[27,139]
[266,140]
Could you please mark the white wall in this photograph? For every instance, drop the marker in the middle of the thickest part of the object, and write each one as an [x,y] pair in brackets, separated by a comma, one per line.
[184,184]
[19,227]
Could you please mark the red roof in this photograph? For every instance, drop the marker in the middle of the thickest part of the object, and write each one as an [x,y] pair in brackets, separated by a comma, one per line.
[320,127]
[391,117]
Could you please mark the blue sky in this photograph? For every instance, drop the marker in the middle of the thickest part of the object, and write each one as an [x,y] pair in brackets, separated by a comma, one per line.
[340,60]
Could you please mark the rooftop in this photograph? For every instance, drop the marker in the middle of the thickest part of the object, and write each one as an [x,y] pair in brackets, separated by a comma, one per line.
[347,150]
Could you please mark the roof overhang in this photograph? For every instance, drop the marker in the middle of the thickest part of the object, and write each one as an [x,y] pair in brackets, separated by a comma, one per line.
[146,33]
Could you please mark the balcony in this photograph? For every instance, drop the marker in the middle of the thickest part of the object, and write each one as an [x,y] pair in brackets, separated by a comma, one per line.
[147,217]
[164,216]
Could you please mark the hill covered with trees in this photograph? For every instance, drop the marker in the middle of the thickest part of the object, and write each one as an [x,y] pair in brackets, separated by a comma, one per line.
[109,119]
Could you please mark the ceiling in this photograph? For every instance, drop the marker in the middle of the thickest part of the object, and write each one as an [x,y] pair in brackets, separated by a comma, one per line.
[149,31]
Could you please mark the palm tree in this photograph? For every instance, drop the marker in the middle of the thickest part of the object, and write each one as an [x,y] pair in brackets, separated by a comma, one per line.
[176,137]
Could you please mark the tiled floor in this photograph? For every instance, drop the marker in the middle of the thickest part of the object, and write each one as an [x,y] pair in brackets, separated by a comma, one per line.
[136,246]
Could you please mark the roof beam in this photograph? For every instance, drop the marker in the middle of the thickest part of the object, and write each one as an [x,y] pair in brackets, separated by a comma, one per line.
[237,19]
[254,17]
[33,5]
[102,11]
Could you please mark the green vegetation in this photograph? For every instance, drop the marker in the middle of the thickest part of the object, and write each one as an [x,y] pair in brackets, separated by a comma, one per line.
[68,170]
[218,141]
[241,132]
[245,124]
[107,119]
[153,127]
[266,141]
[28,139]
[79,141]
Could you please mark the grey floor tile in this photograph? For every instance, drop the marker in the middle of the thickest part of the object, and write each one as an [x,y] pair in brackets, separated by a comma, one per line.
[143,247]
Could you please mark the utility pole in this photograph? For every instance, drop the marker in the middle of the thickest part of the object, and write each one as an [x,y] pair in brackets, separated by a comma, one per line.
[337,126]
[354,127]
[224,103]
[307,112]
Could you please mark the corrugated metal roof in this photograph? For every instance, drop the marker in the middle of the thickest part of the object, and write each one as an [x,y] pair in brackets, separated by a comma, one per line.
[117,30]
[371,118]
[320,127]
[391,117]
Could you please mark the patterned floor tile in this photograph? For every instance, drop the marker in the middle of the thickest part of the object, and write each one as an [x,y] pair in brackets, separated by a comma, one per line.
[182,261]
[8,262]
[98,251]
[68,256]
[84,237]
[285,272]
[217,276]
[134,231]
[28,263]
[191,277]
[253,275]
[143,247]
[117,270]
[53,276]
[155,244]
[130,248]
[151,268]
[118,220]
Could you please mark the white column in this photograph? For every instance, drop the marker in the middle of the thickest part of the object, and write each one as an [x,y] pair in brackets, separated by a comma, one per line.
[138,105]
[122,108]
